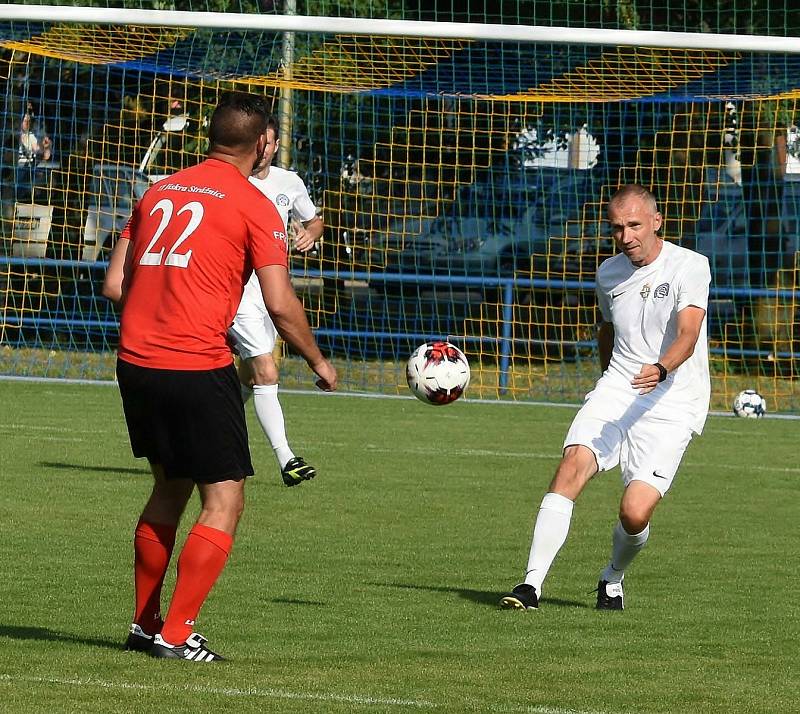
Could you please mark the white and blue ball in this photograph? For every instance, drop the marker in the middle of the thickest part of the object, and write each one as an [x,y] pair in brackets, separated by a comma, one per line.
[749,404]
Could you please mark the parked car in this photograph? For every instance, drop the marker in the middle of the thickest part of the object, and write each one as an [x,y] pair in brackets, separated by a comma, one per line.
[492,229]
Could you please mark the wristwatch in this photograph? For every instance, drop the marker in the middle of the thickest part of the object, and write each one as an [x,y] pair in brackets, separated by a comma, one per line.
[662,371]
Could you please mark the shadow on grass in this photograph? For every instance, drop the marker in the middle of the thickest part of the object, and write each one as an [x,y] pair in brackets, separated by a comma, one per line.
[100,469]
[566,603]
[18,632]
[287,601]
[480,597]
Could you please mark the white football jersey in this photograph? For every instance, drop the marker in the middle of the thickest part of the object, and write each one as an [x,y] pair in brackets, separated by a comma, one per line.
[288,192]
[643,305]
[290,196]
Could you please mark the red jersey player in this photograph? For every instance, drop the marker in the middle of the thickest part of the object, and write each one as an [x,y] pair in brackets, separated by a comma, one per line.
[178,270]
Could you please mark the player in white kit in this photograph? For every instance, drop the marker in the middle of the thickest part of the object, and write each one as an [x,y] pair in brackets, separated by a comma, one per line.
[652,397]
[252,332]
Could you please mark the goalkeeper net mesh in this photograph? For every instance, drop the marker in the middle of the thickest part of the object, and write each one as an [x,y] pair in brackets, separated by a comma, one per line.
[461,183]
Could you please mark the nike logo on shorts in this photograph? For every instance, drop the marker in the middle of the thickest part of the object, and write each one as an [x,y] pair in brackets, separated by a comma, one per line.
[614,296]
[658,475]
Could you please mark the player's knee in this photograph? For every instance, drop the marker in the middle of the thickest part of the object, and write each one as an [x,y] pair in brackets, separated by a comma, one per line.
[634,519]
[636,508]
[245,373]
[237,511]
[168,500]
[222,511]
[566,477]
[264,370]
[571,476]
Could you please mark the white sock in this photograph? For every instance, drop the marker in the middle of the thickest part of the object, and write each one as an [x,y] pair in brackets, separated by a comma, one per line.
[247,392]
[270,416]
[624,548]
[549,534]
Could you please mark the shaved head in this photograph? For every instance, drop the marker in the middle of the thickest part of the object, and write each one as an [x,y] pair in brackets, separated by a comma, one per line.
[634,190]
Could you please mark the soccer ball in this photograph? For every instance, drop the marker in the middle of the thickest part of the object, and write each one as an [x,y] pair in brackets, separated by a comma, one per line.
[749,403]
[437,373]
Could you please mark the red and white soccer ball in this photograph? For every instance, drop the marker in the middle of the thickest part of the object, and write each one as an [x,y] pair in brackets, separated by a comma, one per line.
[437,373]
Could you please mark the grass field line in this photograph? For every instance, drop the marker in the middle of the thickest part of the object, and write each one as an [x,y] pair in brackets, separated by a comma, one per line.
[57,439]
[376,448]
[455,451]
[47,427]
[270,693]
[249,692]
[371,395]
[750,467]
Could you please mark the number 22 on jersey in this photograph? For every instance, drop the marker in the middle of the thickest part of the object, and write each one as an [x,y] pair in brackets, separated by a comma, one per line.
[173,257]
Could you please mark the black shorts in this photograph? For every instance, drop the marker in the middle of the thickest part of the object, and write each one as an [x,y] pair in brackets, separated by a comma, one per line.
[190,422]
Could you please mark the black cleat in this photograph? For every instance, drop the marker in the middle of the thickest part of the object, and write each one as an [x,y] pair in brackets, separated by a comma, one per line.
[138,640]
[193,650]
[609,596]
[522,597]
[296,471]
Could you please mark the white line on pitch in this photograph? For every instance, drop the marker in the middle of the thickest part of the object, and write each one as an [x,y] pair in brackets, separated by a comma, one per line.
[750,467]
[251,692]
[462,452]
[366,395]
[552,456]
[56,439]
[40,427]
[269,693]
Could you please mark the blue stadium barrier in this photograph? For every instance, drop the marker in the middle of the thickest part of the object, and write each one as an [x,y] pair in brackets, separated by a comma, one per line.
[88,321]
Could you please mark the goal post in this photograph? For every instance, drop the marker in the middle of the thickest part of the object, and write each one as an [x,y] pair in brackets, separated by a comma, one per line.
[291,22]
[461,170]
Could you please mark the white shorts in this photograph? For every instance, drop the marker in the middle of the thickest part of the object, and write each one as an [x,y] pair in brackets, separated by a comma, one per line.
[622,427]
[253,332]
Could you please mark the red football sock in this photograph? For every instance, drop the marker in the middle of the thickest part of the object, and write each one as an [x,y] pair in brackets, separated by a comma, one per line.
[200,563]
[152,547]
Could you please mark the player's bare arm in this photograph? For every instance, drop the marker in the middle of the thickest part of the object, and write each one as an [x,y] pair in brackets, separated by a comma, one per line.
[690,322]
[290,320]
[307,234]
[114,283]
[605,344]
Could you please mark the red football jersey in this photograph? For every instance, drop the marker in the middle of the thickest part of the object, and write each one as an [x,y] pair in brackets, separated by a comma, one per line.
[197,236]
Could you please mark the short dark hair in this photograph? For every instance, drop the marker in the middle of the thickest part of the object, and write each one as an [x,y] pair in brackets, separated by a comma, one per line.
[272,123]
[634,190]
[238,120]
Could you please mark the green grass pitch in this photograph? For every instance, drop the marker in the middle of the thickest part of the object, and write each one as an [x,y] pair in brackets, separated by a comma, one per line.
[374,588]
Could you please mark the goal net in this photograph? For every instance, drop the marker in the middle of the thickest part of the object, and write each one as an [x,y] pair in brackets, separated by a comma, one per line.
[461,172]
